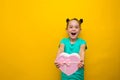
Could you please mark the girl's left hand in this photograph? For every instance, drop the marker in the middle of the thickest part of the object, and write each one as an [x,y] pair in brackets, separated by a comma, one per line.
[81,64]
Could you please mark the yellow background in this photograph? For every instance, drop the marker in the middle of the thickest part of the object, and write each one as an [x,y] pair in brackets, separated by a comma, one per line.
[30,31]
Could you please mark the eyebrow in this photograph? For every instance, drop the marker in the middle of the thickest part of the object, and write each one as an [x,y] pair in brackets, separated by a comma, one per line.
[72,25]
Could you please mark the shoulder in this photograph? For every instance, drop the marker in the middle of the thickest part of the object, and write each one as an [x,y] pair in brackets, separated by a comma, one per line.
[64,40]
[81,40]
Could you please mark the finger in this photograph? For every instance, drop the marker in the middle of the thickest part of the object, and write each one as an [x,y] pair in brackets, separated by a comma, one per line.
[56,63]
[58,66]
[80,65]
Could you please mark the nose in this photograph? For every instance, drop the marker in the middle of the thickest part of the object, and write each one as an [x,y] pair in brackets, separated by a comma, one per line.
[73,28]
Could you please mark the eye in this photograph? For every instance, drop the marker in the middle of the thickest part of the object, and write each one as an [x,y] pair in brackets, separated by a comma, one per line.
[70,26]
[76,27]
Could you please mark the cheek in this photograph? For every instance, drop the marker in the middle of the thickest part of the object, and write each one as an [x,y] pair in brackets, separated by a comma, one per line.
[68,30]
[78,30]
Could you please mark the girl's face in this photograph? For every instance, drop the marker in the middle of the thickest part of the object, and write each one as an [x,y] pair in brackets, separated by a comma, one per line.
[73,29]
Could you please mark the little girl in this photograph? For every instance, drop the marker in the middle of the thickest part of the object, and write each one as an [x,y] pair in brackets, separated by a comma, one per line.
[73,44]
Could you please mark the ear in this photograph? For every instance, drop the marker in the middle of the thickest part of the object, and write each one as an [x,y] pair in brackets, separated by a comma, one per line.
[67,20]
[81,21]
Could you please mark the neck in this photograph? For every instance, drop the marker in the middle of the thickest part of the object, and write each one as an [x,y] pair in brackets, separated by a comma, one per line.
[73,40]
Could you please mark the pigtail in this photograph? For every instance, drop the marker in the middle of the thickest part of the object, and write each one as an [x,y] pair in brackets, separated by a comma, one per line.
[81,21]
[67,20]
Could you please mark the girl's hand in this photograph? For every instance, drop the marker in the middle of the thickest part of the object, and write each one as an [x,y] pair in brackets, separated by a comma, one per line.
[81,64]
[57,64]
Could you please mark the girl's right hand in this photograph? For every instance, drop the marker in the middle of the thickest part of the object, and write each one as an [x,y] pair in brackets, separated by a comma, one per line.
[57,64]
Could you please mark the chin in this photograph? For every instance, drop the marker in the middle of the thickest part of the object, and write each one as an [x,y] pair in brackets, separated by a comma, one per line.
[73,38]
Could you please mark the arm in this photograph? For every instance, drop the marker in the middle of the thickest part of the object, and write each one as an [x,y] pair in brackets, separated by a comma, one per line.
[61,49]
[82,52]
[82,55]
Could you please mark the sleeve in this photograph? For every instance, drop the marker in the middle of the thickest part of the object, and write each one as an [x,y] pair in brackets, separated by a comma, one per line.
[62,42]
[84,42]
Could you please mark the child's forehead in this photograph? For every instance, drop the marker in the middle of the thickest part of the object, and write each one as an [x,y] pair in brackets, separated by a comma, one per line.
[73,22]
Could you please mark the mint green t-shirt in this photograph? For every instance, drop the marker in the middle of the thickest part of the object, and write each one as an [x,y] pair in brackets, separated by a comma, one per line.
[73,48]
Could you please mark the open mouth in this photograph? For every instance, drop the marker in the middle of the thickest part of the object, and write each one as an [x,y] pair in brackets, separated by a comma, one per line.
[73,34]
